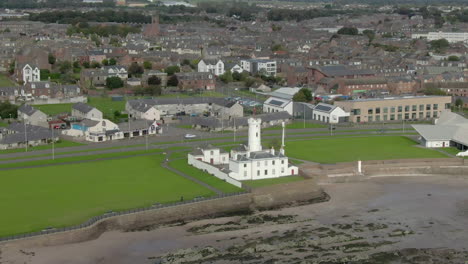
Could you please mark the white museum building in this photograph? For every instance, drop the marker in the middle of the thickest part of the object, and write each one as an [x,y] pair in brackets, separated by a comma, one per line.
[246,162]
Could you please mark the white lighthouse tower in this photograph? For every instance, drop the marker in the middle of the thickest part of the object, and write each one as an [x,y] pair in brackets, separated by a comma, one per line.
[255,141]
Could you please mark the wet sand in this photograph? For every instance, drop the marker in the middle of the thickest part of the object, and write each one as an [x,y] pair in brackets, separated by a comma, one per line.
[433,211]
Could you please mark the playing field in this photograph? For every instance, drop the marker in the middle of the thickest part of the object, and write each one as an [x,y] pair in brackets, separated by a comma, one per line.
[5,81]
[331,150]
[63,195]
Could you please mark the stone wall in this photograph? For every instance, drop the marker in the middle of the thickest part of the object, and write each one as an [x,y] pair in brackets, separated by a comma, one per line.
[213,171]
[261,198]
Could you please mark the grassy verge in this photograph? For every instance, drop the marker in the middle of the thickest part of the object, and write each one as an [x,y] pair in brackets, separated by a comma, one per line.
[297,125]
[332,150]
[219,184]
[60,144]
[76,159]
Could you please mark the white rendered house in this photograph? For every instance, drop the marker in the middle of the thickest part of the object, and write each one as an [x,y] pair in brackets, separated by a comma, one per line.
[31,74]
[214,67]
[246,162]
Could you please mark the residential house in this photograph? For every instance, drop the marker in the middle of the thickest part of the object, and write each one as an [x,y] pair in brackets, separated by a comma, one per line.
[30,73]
[18,135]
[85,111]
[32,116]
[196,81]
[280,100]
[211,66]
[95,130]
[139,127]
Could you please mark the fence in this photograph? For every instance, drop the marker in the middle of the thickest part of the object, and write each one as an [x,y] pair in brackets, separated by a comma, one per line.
[98,218]
[214,171]
[78,99]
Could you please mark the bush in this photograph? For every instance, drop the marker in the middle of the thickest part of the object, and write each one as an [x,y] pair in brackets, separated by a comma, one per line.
[114,83]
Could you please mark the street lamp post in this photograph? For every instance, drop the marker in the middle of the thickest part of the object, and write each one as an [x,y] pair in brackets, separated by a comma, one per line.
[25,136]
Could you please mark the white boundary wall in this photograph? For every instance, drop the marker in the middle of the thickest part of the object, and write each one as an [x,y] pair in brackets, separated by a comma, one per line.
[213,171]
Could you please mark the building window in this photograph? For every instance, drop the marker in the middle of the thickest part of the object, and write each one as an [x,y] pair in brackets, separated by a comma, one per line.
[245,174]
[245,165]
[266,172]
[385,110]
[447,106]
[356,111]
[392,117]
[407,108]
[428,107]
[428,114]
[400,109]
[421,115]
[392,109]
[282,162]
[282,170]
[406,116]
[399,116]
[258,173]
[435,106]
[377,118]
[266,162]
[421,107]
[273,172]
[377,110]
[434,114]
[414,108]
[370,119]
[413,116]
[273,162]
[385,117]
[370,111]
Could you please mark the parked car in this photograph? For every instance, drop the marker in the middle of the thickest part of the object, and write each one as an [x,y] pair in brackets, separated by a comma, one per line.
[190,136]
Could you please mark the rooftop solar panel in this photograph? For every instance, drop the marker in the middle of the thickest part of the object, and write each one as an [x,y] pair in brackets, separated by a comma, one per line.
[276,102]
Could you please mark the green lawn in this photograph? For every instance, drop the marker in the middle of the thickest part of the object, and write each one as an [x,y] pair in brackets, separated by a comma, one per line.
[211,180]
[3,124]
[266,182]
[60,144]
[297,125]
[5,81]
[54,109]
[331,150]
[106,105]
[64,195]
[76,158]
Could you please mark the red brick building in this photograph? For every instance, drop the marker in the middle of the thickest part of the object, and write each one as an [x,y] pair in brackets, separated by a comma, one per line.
[196,81]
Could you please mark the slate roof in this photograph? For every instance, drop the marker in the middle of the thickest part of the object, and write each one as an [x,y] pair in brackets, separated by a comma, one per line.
[135,125]
[82,107]
[342,70]
[27,109]
[143,105]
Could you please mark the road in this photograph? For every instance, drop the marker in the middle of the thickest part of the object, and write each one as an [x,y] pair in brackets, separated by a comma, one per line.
[173,136]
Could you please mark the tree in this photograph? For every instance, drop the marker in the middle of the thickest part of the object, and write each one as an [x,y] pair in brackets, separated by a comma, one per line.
[95,65]
[112,61]
[8,110]
[135,70]
[304,95]
[52,59]
[370,34]
[154,80]
[440,44]
[173,81]
[147,65]
[348,31]
[172,69]
[453,58]
[226,77]
[249,82]
[76,65]
[459,102]
[105,62]
[114,83]
[65,67]
[86,64]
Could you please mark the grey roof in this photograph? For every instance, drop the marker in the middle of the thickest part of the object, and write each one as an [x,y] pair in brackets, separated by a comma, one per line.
[214,122]
[89,122]
[260,155]
[135,125]
[20,127]
[449,126]
[143,105]
[33,133]
[82,107]
[27,109]
[341,70]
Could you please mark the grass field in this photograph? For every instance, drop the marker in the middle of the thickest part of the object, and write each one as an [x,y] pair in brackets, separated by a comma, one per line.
[106,105]
[331,150]
[60,144]
[266,182]
[54,109]
[5,81]
[219,184]
[63,195]
[297,125]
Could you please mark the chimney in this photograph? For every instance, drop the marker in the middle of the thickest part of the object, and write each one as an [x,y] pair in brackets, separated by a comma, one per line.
[272,150]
